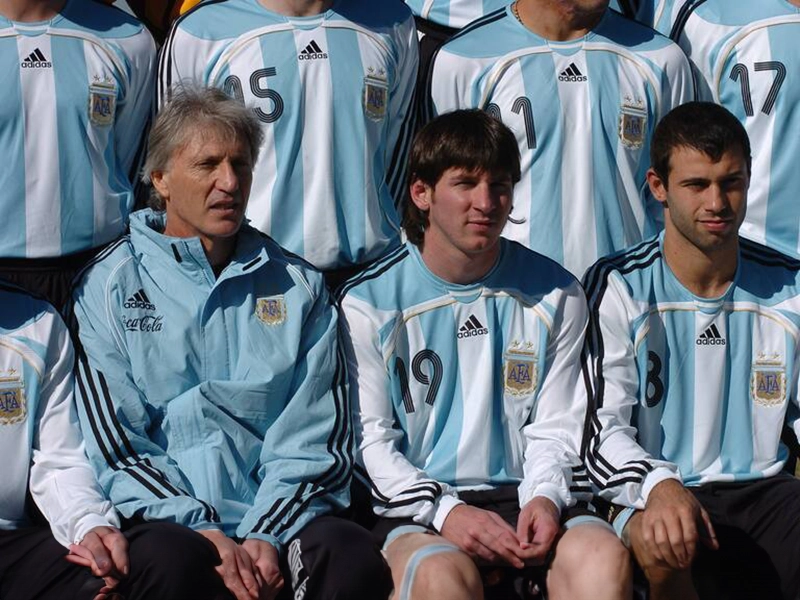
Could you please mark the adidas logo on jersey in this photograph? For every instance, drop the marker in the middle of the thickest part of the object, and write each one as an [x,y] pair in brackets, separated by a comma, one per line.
[572,73]
[471,328]
[36,60]
[312,52]
[139,300]
[711,337]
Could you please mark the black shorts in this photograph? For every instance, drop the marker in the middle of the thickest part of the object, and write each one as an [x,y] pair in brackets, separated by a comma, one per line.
[757,524]
[48,278]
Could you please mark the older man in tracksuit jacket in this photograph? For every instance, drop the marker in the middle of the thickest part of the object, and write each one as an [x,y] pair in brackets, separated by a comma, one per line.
[212,394]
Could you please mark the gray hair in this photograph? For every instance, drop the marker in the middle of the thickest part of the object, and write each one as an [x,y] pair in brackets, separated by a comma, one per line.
[194,109]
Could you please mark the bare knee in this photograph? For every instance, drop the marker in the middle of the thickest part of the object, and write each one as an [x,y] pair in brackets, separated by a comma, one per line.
[419,572]
[446,576]
[590,562]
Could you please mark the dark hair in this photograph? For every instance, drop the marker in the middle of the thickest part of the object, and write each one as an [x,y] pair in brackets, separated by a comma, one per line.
[195,110]
[464,139]
[703,126]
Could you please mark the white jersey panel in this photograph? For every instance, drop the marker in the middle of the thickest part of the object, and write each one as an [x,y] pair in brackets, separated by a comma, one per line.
[42,222]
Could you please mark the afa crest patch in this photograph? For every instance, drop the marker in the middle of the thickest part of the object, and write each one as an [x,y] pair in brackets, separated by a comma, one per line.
[520,370]
[768,380]
[271,310]
[376,94]
[632,123]
[13,405]
[102,102]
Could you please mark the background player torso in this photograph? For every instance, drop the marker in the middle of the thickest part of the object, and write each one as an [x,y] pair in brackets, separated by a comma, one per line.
[77,97]
[746,56]
[332,93]
[583,112]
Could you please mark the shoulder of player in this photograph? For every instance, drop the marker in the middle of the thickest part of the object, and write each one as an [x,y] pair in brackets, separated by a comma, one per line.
[21,309]
[381,280]
[101,20]
[635,37]
[299,269]
[372,15]
[631,267]
[223,19]
[491,35]
[771,268]
[112,263]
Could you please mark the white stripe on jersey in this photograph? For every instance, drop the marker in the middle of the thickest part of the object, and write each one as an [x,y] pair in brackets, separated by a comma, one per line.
[42,173]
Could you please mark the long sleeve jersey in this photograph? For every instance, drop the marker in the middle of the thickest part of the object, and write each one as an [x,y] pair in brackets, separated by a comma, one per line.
[466,386]
[690,388]
[77,95]
[583,112]
[40,439]
[212,402]
[333,94]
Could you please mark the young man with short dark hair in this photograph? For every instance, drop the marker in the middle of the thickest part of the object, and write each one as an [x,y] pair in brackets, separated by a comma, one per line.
[694,356]
[465,378]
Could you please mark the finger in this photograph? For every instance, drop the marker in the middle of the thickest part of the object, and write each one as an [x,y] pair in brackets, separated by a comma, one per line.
[230,576]
[690,536]
[79,556]
[502,546]
[100,556]
[524,529]
[502,523]
[664,547]
[117,545]
[244,564]
[709,536]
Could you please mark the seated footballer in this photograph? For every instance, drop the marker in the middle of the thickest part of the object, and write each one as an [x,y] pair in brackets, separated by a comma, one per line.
[209,383]
[463,352]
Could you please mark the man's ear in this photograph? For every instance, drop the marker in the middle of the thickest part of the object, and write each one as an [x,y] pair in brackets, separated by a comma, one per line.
[420,193]
[658,187]
[159,181]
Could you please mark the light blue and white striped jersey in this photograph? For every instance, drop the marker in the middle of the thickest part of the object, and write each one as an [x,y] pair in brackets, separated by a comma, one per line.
[687,387]
[466,386]
[745,55]
[334,94]
[454,13]
[583,112]
[77,98]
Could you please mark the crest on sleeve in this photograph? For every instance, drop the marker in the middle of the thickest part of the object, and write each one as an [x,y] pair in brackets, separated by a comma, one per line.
[632,123]
[102,101]
[768,380]
[271,310]
[520,371]
[13,405]
[376,94]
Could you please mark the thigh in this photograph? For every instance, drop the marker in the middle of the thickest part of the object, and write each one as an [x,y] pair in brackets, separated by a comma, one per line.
[335,558]
[32,565]
[758,528]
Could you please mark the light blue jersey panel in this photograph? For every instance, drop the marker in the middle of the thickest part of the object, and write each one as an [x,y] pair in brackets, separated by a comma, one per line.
[744,55]
[12,138]
[706,384]
[583,112]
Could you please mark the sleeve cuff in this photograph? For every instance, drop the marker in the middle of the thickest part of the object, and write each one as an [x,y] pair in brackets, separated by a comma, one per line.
[547,490]
[444,505]
[91,521]
[266,538]
[655,477]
